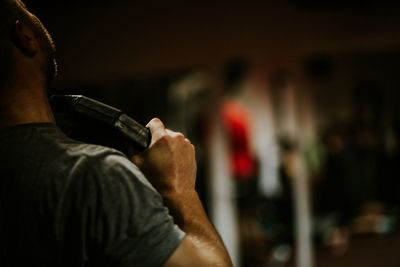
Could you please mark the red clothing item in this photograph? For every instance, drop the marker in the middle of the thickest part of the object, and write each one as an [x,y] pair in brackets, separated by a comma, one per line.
[237,121]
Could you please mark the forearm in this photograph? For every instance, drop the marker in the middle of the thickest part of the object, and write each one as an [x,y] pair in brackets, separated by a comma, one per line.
[189,214]
[169,164]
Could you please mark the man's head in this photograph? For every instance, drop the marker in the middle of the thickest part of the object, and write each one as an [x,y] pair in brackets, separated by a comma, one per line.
[22,33]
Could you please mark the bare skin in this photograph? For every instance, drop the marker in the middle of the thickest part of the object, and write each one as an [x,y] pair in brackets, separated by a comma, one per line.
[25,99]
[169,162]
[170,165]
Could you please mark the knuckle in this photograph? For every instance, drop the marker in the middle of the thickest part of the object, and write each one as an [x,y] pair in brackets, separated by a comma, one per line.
[179,136]
[176,135]
[156,120]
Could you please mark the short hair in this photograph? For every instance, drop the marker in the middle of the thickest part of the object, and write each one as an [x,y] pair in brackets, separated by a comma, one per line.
[10,11]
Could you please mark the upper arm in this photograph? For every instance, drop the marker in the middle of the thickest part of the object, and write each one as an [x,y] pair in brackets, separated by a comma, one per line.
[192,252]
[125,220]
[185,255]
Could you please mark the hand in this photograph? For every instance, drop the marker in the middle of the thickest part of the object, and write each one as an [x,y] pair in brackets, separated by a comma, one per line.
[169,162]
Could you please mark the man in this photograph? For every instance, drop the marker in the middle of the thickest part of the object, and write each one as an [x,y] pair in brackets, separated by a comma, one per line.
[65,203]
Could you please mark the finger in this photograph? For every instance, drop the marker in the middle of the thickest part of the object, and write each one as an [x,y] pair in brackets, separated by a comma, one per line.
[189,144]
[175,134]
[155,123]
[157,129]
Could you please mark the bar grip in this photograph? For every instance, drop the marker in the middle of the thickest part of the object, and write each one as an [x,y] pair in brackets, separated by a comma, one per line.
[88,120]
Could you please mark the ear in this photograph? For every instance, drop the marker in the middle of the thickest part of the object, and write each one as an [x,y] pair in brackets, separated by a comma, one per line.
[25,39]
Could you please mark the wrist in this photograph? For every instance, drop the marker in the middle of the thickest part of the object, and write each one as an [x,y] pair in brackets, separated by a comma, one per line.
[173,194]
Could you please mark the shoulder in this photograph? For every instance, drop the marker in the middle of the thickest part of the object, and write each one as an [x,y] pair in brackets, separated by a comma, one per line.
[104,182]
[124,216]
[111,166]
[104,165]
[87,170]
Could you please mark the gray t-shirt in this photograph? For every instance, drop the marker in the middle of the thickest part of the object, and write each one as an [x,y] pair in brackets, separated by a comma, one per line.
[66,203]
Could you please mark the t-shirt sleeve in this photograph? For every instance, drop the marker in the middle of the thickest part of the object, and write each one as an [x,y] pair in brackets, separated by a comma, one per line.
[125,220]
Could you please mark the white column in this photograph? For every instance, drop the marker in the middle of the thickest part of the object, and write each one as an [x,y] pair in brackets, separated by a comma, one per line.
[223,209]
[295,125]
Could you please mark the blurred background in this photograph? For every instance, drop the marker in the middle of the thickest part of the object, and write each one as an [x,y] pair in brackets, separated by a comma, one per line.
[292,106]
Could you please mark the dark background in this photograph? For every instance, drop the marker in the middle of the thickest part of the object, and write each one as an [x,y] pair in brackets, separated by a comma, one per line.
[342,57]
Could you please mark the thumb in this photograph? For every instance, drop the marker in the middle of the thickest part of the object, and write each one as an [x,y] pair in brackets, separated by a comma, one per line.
[157,129]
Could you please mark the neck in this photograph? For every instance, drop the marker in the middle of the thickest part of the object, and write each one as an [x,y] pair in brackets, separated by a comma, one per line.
[24,105]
